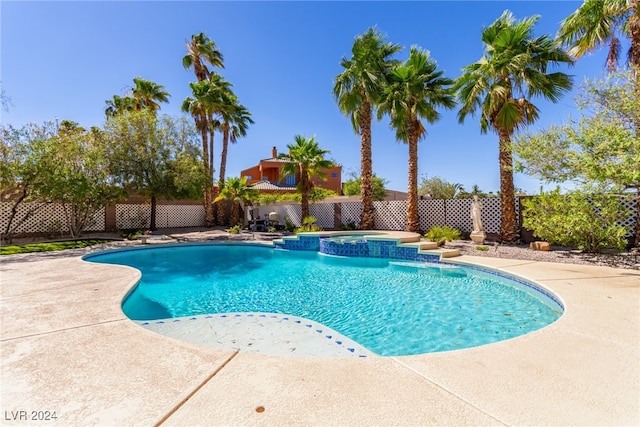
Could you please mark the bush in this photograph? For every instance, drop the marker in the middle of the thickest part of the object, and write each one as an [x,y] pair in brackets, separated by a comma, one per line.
[578,220]
[442,234]
[235,229]
[288,225]
[349,226]
[309,225]
[482,248]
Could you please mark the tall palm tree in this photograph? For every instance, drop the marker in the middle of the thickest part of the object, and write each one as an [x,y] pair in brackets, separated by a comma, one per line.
[201,51]
[414,90]
[357,90]
[236,191]
[305,160]
[601,22]
[512,70]
[204,97]
[234,121]
[146,94]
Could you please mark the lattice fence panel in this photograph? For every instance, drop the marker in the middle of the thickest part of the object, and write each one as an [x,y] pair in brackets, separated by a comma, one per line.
[179,216]
[323,213]
[44,218]
[431,213]
[390,215]
[630,221]
[130,217]
[350,213]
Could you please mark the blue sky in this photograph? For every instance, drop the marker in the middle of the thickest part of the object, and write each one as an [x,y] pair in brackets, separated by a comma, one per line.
[64,59]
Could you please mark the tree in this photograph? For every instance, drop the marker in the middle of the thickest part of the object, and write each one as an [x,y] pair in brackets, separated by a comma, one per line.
[512,70]
[475,191]
[234,122]
[601,22]
[147,94]
[414,90]
[20,172]
[357,90]
[236,191]
[439,188]
[351,187]
[205,97]
[59,163]
[117,105]
[154,156]
[601,148]
[144,95]
[200,52]
[305,159]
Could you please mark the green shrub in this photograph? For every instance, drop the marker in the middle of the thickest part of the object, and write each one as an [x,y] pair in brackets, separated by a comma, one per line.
[288,225]
[442,234]
[309,225]
[235,229]
[578,220]
[349,226]
[482,248]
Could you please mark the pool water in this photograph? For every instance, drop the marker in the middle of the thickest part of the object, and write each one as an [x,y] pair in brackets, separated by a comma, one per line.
[392,308]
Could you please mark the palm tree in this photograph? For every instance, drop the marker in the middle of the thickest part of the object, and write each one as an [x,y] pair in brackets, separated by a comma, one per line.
[512,70]
[204,96]
[117,105]
[201,51]
[305,159]
[235,120]
[236,191]
[146,94]
[601,22]
[357,90]
[414,90]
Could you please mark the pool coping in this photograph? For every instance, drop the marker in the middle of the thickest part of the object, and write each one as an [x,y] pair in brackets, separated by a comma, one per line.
[60,353]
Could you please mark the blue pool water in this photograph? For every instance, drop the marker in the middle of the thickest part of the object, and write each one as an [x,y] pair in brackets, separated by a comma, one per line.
[391,307]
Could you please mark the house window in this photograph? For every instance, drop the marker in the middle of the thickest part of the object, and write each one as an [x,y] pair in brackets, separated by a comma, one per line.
[249,178]
[334,175]
[264,178]
[290,179]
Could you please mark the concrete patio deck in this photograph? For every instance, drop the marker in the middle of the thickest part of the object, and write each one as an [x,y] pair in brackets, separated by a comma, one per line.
[68,348]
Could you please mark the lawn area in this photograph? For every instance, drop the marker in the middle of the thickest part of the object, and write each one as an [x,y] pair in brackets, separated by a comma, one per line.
[49,246]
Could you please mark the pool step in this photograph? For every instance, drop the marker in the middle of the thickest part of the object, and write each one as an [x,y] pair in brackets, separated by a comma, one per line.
[433,248]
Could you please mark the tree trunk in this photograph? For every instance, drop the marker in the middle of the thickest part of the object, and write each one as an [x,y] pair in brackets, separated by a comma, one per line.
[413,222]
[509,223]
[304,196]
[366,168]
[634,33]
[223,168]
[208,188]
[154,208]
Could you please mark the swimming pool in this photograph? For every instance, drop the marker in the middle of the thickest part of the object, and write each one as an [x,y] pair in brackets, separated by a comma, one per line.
[391,307]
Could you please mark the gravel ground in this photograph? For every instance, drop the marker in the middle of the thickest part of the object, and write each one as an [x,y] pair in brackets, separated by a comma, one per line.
[556,254]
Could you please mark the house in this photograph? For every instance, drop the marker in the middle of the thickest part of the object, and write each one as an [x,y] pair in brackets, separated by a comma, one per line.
[266,176]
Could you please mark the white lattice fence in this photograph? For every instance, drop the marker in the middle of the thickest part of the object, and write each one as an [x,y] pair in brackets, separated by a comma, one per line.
[431,213]
[350,212]
[630,221]
[179,216]
[44,218]
[133,217]
[390,215]
[323,213]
